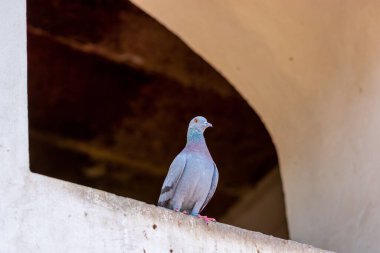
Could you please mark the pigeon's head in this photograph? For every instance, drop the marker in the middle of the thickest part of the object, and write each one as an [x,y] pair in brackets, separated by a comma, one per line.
[199,124]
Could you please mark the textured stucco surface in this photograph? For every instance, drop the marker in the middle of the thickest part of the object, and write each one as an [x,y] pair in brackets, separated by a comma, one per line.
[311,71]
[49,215]
[41,214]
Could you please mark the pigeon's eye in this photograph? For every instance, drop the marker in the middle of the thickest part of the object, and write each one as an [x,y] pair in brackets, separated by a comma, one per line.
[196,120]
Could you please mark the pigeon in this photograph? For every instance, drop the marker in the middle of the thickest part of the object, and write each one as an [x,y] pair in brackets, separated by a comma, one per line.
[193,176]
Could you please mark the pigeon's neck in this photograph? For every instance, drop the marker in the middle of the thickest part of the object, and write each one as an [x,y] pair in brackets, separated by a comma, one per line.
[195,139]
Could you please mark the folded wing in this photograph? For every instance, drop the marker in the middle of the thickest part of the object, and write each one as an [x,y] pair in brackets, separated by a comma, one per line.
[176,170]
[214,184]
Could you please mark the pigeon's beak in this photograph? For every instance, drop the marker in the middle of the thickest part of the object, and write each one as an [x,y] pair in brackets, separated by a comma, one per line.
[209,124]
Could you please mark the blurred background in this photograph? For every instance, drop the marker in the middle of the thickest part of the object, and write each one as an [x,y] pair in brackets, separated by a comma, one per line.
[111,92]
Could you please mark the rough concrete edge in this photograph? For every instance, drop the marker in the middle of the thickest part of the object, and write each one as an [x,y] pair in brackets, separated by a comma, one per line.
[125,205]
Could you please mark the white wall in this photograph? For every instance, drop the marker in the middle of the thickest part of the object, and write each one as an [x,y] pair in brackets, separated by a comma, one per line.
[311,69]
[265,199]
[41,214]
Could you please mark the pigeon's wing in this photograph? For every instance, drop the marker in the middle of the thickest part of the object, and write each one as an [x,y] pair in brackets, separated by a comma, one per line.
[214,183]
[176,170]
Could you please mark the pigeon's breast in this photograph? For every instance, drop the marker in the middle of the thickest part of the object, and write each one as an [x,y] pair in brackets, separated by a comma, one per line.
[196,179]
[200,165]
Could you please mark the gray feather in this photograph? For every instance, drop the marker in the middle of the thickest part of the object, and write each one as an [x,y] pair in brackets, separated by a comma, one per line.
[214,184]
[193,176]
[175,172]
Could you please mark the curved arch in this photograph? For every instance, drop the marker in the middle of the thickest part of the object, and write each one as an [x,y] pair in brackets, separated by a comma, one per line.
[310,70]
[112,111]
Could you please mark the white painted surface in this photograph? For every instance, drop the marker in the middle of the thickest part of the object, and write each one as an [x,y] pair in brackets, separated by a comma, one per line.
[40,214]
[311,69]
[13,103]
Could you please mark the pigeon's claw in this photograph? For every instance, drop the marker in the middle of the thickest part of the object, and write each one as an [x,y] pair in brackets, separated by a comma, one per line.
[179,211]
[206,219]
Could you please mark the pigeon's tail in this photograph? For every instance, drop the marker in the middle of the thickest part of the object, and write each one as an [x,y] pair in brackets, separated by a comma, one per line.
[163,203]
[165,196]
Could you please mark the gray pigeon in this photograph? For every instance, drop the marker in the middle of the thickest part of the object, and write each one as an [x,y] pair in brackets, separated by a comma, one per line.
[192,177]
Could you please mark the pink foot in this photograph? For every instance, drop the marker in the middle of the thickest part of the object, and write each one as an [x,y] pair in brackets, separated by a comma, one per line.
[206,219]
[177,210]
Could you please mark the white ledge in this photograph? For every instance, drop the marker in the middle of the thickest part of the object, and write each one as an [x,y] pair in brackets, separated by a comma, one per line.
[50,215]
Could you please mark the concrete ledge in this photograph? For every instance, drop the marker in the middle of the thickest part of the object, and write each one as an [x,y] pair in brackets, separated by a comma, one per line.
[50,215]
